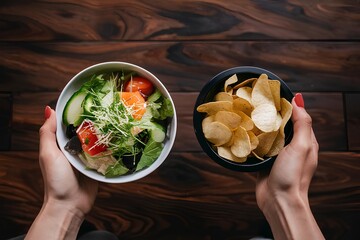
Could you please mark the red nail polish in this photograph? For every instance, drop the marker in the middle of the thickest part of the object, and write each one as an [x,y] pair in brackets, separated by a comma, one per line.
[299,100]
[47,112]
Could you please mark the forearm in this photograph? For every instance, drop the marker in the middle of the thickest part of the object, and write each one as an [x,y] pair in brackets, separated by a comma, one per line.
[55,221]
[292,220]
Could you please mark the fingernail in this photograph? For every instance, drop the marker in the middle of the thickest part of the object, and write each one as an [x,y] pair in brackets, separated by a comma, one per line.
[299,100]
[47,112]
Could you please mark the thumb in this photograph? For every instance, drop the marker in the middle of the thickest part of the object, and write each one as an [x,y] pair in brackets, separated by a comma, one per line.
[47,131]
[301,120]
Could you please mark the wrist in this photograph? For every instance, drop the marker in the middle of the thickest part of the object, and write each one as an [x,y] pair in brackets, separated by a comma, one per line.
[63,207]
[56,220]
[279,202]
[290,217]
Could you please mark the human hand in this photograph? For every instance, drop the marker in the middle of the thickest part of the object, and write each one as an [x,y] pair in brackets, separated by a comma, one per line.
[62,183]
[68,195]
[283,191]
[295,165]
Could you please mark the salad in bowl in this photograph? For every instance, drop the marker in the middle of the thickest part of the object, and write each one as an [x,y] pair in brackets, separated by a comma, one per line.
[116,122]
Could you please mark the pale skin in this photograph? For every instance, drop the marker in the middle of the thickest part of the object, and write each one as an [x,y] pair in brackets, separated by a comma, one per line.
[69,195]
[281,194]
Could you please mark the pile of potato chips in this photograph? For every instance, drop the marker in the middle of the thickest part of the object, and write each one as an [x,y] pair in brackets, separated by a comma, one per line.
[247,119]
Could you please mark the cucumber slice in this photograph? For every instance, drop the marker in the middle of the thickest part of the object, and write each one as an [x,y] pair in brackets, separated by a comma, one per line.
[73,110]
[88,103]
[157,132]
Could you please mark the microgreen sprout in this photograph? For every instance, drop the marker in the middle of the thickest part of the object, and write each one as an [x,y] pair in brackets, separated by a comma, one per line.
[114,122]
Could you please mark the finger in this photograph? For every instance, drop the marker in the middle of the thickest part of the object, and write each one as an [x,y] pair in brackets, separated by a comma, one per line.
[47,131]
[302,125]
[314,154]
[310,164]
[314,141]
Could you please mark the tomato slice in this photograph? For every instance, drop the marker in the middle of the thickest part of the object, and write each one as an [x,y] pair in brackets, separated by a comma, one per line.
[135,102]
[141,84]
[88,139]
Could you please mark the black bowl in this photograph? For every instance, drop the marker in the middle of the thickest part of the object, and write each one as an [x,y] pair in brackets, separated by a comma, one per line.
[207,93]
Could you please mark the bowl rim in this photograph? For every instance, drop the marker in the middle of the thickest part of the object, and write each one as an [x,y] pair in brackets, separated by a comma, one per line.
[74,83]
[197,119]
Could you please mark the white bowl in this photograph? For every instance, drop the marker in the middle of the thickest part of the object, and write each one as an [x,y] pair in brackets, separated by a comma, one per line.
[74,84]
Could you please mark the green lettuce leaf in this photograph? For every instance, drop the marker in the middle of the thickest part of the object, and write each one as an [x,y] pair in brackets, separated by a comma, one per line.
[166,109]
[151,152]
[116,170]
[159,106]
[96,82]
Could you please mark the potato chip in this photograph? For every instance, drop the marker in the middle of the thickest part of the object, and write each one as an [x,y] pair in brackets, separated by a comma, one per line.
[217,133]
[278,121]
[256,131]
[286,110]
[246,121]
[264,117]
[230,142]
[242,105]
[223,96]
[254,141]
[275,91]
[213,107]
[277,145]
[244,83]
[206,121]
[279,142]
[233,79]
[257,156]
[229,119]
[242,146]
[261,93]
[225,152]
[266,140]
[245,93]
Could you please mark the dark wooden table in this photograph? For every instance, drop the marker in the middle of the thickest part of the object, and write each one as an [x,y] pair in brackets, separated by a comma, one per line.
[313,45]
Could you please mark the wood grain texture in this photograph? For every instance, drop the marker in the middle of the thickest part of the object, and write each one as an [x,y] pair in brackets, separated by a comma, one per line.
[184,66]
[326,110]
[327,113]
[5,120]
[180,20]
[314,46]
[188,197]
[353,120]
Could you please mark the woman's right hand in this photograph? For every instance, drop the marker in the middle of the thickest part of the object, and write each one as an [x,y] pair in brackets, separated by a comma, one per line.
[282,193]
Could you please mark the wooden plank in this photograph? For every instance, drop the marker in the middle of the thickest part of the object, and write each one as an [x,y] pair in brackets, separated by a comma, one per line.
[328,120]
[180,20]
[190,177]
[185,66]
[353,120]
[27,120]
[5,120]
[188,197]
[328,117]
[313,46]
